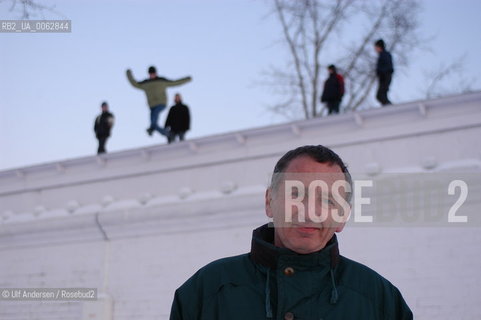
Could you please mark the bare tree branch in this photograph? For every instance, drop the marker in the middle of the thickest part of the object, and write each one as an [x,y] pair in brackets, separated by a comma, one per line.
[307,26]
[309,29]
[295,55]
[447,79]
[31,8]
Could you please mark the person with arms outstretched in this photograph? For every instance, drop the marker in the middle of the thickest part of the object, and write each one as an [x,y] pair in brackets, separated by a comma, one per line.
[155,90]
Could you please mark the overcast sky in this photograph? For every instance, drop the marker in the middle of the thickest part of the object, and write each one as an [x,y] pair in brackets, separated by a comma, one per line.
[51,85]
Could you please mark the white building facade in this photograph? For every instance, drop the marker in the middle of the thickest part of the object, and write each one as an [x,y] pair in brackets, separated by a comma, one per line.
[136,224]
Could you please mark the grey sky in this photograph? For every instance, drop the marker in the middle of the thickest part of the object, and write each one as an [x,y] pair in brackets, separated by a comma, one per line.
[51,85]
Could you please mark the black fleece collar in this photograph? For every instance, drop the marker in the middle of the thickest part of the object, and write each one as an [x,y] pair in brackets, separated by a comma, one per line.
[264,252]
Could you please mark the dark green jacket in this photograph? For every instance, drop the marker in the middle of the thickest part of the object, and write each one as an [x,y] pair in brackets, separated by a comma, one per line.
[277,283]
[155,88]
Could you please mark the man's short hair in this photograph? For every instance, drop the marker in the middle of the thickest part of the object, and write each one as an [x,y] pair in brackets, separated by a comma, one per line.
[104,104]
[332,67]
[380,43]
[318,153]
[152,69]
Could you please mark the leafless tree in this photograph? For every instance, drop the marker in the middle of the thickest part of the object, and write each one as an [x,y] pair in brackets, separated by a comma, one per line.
[448,79]
[320,32]
[30,8]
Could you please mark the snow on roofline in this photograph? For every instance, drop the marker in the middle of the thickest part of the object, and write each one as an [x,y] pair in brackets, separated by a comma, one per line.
[243,137]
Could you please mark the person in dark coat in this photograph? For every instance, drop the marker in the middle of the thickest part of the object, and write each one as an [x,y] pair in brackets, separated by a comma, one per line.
[384,71]
[294,269]
[178,120]
[102,126]
[333,90]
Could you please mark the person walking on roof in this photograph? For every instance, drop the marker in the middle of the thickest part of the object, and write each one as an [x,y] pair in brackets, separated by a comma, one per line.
[102,126]
[178,120]
[384,71]
[333,90]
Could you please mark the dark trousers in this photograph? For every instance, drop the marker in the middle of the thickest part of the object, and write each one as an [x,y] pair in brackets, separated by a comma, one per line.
[333,106]
[173,135]
[384,83]
[102,141]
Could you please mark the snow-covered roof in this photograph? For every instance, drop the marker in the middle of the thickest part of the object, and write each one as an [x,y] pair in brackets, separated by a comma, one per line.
[164,184]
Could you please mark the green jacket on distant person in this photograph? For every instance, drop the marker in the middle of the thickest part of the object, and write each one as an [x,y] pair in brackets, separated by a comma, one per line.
[155,88]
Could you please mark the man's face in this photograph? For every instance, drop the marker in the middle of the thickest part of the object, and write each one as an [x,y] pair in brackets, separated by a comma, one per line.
[378,49]
[177,98]
[320,219]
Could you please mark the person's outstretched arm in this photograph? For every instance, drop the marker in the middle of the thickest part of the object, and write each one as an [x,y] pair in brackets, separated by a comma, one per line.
[132,80]
[172,83]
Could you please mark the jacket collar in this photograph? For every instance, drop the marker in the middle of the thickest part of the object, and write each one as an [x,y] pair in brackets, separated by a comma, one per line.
[264,252]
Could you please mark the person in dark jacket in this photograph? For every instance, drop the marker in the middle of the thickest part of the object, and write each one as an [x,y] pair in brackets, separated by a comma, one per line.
[384,71]
[294,269]
[178,120]
[102,126]
[333,90]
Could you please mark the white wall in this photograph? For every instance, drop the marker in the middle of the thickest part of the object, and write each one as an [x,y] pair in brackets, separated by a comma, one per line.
[144,220]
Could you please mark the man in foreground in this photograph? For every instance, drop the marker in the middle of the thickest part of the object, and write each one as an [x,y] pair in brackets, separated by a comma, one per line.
[294,270]
[155,88]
